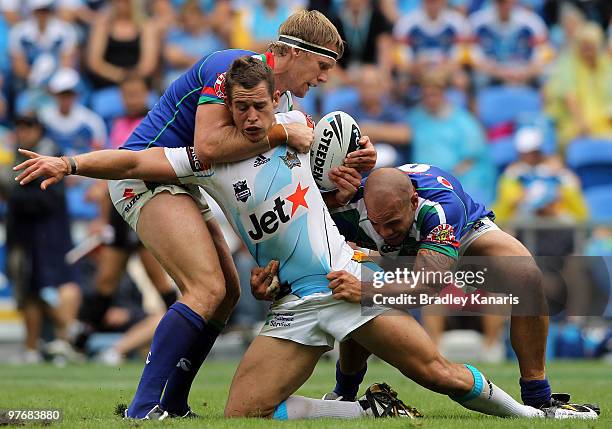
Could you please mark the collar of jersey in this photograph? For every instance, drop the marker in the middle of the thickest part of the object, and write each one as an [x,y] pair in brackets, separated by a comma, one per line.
[268,58]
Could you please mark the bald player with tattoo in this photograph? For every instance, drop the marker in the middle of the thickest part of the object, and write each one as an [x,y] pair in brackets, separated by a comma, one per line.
[420,210]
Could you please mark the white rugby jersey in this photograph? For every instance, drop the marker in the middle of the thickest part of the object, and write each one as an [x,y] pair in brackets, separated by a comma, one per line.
[82,130]
[274,205]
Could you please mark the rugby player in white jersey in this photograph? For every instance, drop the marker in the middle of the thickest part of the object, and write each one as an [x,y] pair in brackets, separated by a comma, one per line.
[275,207]
[174,222]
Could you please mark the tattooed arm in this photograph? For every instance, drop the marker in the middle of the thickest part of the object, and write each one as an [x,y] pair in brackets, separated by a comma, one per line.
[430,270]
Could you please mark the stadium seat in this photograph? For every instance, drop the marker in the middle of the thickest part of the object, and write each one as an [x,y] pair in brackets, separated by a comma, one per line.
[457,98]
[78,205]
[339,99]
[591,159]
[503,152]
[309,103]
[107,103]
[504,104]
[599,200]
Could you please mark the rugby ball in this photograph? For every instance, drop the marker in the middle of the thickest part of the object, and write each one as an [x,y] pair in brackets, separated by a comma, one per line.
[335,136]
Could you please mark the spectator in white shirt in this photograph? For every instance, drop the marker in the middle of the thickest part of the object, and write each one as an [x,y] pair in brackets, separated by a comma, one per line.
[72,126]
[41,44]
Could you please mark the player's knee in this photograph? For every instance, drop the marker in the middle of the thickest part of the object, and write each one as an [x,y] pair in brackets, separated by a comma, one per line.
[529,280]
[534,275]
[205,289]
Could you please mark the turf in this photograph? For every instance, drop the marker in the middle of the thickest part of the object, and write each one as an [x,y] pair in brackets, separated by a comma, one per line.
[88,394]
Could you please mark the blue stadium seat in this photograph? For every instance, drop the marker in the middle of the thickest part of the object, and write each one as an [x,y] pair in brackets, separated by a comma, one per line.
[108,103]
[456,97]
[502,104]
[339,99]
[503,152]
[308,104]
[599,199]
[78,206]
[591,159]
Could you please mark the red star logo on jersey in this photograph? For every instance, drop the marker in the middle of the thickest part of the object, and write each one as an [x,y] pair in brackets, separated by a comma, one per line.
[297,198]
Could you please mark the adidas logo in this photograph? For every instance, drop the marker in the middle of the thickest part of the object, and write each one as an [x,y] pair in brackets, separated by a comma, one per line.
[260,160]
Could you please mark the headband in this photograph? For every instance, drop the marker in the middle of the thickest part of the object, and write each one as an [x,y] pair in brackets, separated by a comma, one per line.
[307,46]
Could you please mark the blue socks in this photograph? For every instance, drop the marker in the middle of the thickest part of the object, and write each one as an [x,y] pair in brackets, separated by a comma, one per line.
[535,393]
[174,337]
[177,389]
[347,385]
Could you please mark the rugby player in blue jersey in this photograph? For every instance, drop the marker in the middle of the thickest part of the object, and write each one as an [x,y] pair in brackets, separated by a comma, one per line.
[174,222]
[271,208]
[421,210]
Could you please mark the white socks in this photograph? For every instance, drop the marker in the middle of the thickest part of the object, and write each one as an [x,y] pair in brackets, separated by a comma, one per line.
[487,398]
[299,407]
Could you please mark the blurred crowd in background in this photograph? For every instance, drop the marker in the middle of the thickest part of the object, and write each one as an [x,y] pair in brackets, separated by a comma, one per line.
[513,97]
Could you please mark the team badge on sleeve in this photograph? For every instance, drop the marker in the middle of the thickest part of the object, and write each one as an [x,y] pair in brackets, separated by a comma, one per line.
[443,234]
[220,86]
[444,182]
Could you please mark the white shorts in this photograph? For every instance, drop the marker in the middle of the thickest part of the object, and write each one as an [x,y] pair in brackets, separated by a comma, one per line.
[316,320]
[130,195]
[480,227]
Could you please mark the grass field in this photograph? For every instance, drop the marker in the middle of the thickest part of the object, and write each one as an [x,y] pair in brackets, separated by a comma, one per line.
[88,394]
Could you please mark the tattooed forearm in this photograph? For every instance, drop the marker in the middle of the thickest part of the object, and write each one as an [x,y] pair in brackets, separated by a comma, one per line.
[430,260]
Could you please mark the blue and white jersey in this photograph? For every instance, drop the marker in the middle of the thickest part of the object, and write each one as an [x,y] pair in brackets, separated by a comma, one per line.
[171,122]
[58,38]
[513,42]
[432,40]
[82,130]
[443,216]
[23,8]
[274,205]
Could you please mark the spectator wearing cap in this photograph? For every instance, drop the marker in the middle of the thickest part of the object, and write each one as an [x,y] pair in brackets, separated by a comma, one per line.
[541,187]
[13,10]
[37,239]
[510,44]
[451,138]
[191,41]
[41,44]
[72,126]
[579,93]
[122,42]
[538,185]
